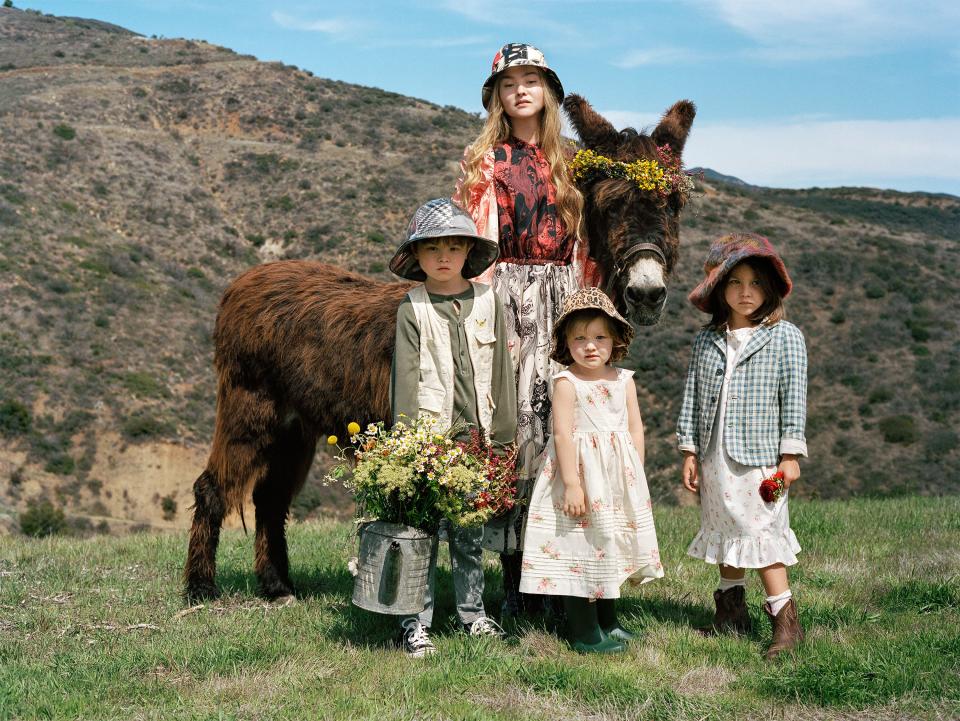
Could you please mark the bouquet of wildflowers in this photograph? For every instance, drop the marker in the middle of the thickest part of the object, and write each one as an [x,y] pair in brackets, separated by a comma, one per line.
[415,475]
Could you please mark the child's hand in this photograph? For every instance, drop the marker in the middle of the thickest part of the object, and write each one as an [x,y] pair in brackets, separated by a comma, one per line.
[691,473]
[790,469]
[574,502]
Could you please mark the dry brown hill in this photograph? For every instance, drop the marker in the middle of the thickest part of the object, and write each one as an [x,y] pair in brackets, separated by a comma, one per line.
[138,176]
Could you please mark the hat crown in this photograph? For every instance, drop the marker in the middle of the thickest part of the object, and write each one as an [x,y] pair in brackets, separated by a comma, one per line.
[590,298]
[440,217]
[744,244]
[517,54]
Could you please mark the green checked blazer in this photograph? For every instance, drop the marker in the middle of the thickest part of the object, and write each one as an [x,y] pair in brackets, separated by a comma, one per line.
[766,400]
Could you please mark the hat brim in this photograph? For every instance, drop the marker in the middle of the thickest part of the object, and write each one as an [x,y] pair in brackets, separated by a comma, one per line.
[482,255]
[487,91]
[700,296]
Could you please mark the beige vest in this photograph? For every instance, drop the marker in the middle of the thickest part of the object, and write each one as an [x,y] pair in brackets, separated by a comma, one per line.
[435,393]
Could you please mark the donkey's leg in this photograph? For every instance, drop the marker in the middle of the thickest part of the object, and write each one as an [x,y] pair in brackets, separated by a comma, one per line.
[290,457]
[246,419]
[208,511]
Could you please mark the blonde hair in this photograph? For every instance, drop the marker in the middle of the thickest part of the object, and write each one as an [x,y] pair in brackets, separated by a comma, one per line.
[497,130]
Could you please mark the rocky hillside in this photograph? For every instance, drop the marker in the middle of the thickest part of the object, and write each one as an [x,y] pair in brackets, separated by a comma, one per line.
[138,176]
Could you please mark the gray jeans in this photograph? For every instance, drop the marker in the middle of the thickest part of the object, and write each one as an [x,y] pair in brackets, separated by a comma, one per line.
[466,567]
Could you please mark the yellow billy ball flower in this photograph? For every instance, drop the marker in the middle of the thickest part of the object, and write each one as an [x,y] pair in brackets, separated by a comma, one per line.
[353,428]
[331,440]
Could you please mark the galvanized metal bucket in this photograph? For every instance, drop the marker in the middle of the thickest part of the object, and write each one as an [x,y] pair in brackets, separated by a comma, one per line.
[393,568]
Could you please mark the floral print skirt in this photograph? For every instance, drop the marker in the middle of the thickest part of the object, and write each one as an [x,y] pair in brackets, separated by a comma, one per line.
[737,527]
[592,556]
[532,298]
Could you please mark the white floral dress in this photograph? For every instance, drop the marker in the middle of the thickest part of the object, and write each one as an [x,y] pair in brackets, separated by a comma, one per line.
[737,527]
[591,556]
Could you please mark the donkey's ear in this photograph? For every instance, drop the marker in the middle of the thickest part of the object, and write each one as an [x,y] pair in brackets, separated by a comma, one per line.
[593,129]
[675,126]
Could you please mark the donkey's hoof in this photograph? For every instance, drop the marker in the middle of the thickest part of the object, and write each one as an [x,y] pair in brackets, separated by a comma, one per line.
[199,591]
[272,587]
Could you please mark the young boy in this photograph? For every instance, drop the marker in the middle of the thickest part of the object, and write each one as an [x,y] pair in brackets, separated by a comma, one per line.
[451,361]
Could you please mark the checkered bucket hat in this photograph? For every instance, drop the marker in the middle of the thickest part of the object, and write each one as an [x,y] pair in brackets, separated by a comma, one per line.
[583,299]
[442,218]
[724,255]
[512,55]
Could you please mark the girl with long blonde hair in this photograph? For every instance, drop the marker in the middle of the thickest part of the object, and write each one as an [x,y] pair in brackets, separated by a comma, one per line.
[516,185]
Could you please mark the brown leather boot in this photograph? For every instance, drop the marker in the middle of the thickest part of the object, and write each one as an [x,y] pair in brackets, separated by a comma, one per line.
[786,629]
[731,615]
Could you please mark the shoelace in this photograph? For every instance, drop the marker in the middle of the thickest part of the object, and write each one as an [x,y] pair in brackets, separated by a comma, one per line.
[486,626]
[419,638]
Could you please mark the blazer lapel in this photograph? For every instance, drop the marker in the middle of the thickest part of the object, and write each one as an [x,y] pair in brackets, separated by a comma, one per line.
[760,337]
[720,341]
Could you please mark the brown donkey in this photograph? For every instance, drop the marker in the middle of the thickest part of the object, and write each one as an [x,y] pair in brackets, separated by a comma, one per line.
[301,348]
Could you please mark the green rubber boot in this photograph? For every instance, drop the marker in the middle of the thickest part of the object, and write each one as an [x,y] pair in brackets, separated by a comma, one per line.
[607,618]
[584,630]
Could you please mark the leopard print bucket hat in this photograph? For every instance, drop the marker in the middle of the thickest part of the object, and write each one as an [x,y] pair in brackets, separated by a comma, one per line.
[592,298]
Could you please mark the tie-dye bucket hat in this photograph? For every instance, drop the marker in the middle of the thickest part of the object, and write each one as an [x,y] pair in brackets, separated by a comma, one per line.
[724,255]
[512,55]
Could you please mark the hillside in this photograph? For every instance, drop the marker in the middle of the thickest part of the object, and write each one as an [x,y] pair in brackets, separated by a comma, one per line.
[95,628]
[138,176]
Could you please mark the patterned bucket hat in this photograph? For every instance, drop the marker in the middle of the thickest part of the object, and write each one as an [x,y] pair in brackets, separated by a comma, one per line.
[725,253]
[512,55]
[442,218]
[581,300]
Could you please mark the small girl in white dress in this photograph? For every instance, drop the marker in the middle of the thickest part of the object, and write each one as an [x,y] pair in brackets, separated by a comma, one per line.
[742,421]
[590,523]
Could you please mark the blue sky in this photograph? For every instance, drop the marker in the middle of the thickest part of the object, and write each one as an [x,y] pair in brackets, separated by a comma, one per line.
[789,94]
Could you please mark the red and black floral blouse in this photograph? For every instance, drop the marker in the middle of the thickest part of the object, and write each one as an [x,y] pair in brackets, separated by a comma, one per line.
[530,231]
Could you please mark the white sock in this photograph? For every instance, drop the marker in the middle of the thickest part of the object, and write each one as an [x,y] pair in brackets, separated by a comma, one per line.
[775,603]
[727,583]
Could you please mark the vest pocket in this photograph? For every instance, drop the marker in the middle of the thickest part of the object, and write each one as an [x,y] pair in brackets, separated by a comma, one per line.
[431,399]
[485,335]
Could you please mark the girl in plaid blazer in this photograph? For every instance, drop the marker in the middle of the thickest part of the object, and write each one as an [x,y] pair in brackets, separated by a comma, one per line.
[742,421]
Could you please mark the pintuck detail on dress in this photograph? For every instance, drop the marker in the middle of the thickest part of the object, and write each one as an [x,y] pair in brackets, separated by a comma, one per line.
[592,556]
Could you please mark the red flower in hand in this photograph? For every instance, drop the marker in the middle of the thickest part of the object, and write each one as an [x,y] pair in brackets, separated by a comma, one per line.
[772,488]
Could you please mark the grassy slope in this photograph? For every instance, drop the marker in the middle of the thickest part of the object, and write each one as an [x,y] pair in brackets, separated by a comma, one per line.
[90,629]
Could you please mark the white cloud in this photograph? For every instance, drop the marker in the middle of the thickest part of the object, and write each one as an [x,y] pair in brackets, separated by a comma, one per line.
[450,42]
[517,16]
[657,56]
[329,26]
[808,29]
[903,154]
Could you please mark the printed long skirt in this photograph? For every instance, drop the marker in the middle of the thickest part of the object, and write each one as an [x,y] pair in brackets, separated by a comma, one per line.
[532,298]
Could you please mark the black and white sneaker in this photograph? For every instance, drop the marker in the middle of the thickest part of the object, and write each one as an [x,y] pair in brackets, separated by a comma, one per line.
[416,641]
[484,626]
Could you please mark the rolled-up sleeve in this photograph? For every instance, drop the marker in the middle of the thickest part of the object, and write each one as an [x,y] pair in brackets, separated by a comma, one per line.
[793,393]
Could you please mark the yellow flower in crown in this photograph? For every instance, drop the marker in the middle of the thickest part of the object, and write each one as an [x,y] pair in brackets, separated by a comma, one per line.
[353,428]
[331,440]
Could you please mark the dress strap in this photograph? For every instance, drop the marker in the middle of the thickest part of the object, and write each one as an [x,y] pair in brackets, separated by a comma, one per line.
[566,374]
[624,374]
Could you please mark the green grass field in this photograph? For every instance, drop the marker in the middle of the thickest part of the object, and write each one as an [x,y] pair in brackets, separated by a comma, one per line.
[96,629]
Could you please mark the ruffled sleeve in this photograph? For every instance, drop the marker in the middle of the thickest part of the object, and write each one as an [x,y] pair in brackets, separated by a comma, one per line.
[482,205]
